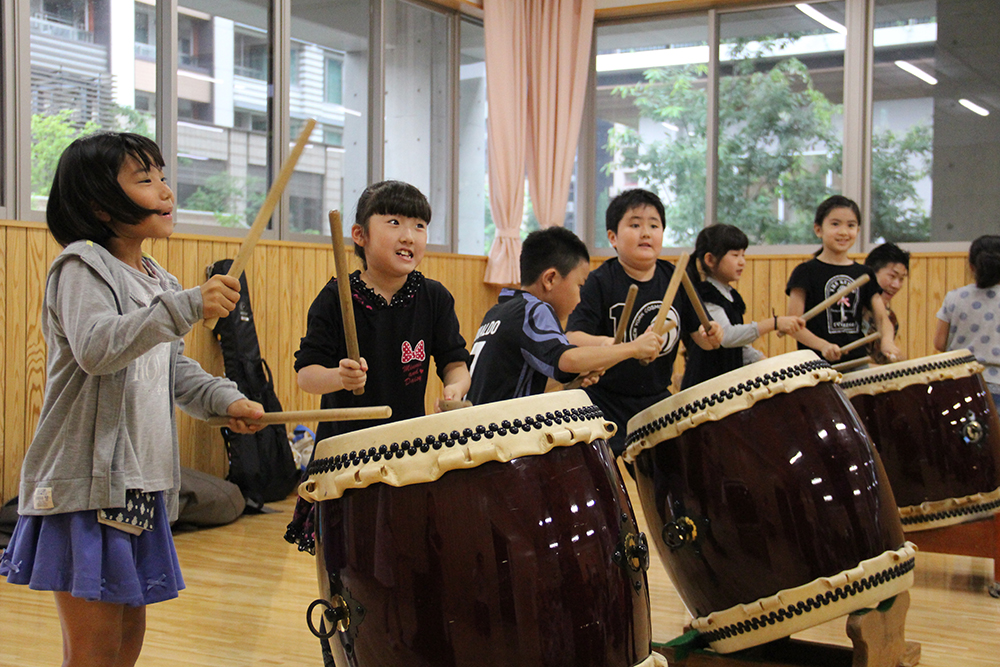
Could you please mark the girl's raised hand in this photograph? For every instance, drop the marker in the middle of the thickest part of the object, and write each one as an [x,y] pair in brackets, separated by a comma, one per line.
[244,408]
[353,375]
[219,295]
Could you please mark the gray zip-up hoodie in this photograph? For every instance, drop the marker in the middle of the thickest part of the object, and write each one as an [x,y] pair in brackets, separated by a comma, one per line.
[95,328]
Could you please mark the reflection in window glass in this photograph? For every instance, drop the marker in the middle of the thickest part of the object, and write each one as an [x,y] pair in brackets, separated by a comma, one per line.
[336,95]
[780,118]
[650,111]
[935,164]
[417,101]
[87,72]
[221,84]
[475,223]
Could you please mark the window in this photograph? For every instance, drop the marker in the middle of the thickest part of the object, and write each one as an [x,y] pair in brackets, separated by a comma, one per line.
[332,41]
[475,227]
[222,147]
[417,107]
[334,83]
[781,91]
[250,59]
[935,163]
[650,110]
[97,92]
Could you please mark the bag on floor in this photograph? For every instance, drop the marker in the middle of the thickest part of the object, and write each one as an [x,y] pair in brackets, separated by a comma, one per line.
[260,464]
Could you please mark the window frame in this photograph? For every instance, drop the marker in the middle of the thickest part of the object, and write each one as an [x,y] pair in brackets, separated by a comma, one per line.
[858,105]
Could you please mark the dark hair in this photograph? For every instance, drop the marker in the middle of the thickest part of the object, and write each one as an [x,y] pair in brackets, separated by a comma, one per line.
[87,179]
[628,200]
[717,239]
[886,254]
[984,256]
[555,247]
[830,203]
[389,198]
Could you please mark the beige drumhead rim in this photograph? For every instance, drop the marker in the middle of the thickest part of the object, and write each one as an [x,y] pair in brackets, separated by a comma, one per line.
[795,609]
[422,449]
[923,370]
[724,395]
[950,511]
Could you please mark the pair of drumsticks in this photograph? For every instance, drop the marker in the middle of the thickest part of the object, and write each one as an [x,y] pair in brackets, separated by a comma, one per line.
[343,284]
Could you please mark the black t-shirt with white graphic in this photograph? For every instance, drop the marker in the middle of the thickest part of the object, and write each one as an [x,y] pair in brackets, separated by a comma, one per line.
[840,323]
[517,347]
[397,340]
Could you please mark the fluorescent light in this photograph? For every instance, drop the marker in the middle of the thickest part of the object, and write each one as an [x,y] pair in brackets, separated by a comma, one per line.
[670,126]
[973,107]
[916,71]
[820,18]
[189,156]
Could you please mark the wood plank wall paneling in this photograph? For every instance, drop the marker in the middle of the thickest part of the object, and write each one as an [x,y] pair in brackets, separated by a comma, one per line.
[283,279]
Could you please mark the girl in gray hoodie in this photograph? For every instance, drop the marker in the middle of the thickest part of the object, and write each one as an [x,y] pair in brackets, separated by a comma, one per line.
[99,481]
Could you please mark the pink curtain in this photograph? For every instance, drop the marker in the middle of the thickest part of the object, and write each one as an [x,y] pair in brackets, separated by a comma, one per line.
[505,24]
[558,63]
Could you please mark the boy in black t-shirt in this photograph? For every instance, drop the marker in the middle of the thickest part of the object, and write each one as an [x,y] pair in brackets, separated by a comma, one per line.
[521,341]
[634,223]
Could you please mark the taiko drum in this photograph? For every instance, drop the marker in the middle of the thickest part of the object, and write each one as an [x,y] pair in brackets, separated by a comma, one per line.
[767,502]
[496,535]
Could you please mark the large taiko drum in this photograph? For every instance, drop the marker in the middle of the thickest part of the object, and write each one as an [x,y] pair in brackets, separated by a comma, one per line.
[936,430]
[767,502]
[497,535]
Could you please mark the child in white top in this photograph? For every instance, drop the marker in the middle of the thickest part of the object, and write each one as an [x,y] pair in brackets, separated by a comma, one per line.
[970,315]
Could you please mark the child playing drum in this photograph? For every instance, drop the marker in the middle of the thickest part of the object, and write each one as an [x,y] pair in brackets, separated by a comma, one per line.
[634,222]
[521,341]
[891,265]
[100,479]
[837,223]
[403,319]
[719,252]
[970,315]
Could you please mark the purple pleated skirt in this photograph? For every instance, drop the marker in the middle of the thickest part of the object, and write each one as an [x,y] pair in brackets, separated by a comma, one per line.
[72,552]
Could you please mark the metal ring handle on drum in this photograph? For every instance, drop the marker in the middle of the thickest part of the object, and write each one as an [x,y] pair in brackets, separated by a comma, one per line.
[678,533]
[337,616]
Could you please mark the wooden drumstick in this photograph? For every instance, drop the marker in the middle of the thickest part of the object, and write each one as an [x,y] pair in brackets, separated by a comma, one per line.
[264,214]
[695,298]
[668,297]
[299,416]
[829,301]
[860,342]
[344,290]
[633,291]
[448,405]
[853,363]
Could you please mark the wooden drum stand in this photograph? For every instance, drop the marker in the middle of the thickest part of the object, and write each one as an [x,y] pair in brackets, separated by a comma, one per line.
[878,638]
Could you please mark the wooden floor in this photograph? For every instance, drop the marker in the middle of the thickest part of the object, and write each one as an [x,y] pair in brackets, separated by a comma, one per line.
[247,591]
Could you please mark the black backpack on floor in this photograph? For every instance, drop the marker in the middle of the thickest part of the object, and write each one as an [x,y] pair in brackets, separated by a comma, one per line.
[261,463]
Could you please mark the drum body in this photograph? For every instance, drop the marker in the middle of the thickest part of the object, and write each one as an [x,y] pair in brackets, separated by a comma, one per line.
[936,430]
[501,563]
[767,502]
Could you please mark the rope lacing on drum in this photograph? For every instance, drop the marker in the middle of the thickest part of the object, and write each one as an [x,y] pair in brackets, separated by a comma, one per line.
[720,397]
[463,437]
[949,514]
[809,604]
[904,372]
